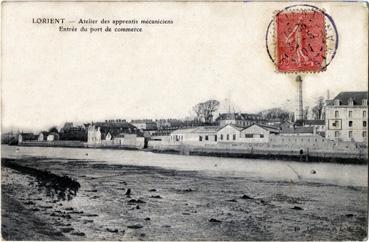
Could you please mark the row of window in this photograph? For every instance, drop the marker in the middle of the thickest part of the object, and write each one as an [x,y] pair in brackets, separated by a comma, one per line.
[350,123]
[302,140]
[364,102]
[228,136]
[337,134]
[337,114]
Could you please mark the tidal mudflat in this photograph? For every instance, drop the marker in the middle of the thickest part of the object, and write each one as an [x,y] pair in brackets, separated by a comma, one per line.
[126,202]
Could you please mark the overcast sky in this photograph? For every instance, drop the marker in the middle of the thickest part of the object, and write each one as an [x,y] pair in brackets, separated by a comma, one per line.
[213,50]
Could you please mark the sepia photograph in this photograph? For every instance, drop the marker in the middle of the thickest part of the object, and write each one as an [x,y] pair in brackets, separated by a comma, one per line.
[184,121]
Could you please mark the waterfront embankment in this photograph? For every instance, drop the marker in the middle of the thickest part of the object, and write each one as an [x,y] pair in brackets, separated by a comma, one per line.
[304,154]
[358,156]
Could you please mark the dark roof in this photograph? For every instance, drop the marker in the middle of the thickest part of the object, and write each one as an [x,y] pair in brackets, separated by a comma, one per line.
[238,116]
[314,122]
[27,135]
[269,128]
[44,133]
[298,130]
[344,98]
[116,128]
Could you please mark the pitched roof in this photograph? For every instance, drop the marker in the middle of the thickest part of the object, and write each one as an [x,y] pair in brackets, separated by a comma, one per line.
[183,131]
[233,126]
[266,127]
[344,97]
[269,128]
[206,129]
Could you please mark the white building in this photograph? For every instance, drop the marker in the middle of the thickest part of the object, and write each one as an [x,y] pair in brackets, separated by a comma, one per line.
[347,117]
[229,133]
[257,133]
[93,135]
[198,136]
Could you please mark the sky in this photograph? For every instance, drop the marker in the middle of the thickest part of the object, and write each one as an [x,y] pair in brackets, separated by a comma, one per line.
[211,51]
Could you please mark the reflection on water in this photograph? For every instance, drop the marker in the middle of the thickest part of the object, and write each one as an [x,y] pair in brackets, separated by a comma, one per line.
[328,173]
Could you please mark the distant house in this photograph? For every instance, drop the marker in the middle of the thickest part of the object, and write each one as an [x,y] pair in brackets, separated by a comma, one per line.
[22,137]
[114,133]
[42,136]
[145,124]
[198,135]
[71,132]
[239,119]
[230,133]
[93,135]
[52,136]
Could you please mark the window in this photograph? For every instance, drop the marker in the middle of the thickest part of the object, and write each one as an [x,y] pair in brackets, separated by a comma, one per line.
[364,114]
[350,134]
[364,123]
[261,136]
[336,134]
[215,138]
[351,102]
[221,137]
[227,136]
[336,114]
[200,138]
[364,134]
[350,114]
[206,137]
[234,137]
[365,102]
[350,123]
[248,135]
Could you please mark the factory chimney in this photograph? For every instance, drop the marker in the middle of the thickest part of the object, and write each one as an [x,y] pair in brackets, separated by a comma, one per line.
[299,111]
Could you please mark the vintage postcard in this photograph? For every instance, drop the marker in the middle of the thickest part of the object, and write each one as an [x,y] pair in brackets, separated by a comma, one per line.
[184,120]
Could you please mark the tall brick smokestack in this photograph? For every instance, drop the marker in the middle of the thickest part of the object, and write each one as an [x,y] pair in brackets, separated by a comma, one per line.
[299,111]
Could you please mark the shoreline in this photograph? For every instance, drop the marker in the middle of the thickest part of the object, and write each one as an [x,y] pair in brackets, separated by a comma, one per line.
[20,223]
[168,204]
[272,154]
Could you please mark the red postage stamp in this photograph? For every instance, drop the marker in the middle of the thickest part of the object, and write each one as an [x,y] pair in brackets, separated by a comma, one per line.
[300,41]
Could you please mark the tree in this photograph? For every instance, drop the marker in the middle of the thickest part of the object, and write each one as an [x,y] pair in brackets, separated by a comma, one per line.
[275,113]
[197,109]
[53,129]
[204,111]
[318,109]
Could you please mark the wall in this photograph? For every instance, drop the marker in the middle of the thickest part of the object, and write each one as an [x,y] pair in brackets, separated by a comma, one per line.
[357,123]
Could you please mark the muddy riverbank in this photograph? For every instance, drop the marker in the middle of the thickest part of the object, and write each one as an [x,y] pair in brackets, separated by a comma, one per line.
[168,204]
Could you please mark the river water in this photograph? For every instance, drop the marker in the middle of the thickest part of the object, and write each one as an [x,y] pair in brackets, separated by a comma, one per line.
[326,173]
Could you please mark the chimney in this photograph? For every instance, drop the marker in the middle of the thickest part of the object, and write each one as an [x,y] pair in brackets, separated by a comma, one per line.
[299,110]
